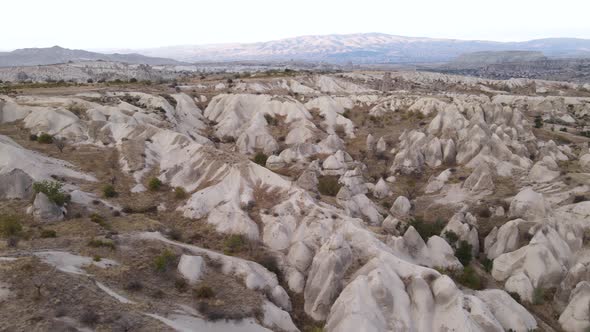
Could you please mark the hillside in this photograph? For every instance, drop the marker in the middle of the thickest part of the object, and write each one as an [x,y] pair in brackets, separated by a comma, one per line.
[58,55]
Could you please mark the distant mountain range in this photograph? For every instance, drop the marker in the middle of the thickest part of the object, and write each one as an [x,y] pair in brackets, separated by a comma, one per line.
[365,48]
[56,55]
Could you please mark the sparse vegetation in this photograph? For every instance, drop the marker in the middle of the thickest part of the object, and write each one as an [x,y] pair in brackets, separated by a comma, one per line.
[204,292]
[234,243]
[272,121]
[487,264]
[52,189]
[164,261]
[180,193]
[538,121]
[260,158]
[99,243]
[328,185]
[469,278]
[538,296]
[10,226]
[154,184]
[108,191]
[45,138]
[463,252]
[427,229]
[48,233]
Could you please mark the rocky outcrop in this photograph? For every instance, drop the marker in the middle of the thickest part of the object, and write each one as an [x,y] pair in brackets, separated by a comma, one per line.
[44,210]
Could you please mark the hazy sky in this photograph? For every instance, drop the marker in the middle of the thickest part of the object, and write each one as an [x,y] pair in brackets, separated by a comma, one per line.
[151,23]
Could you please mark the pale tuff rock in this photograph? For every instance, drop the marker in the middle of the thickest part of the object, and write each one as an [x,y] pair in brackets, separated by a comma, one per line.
[354,182]
[370,142]
[381,145]
[465,226]
[16,184]
[330,110]
[436,253]
[585,162]
[191,267]
[544,170]
[325,277]
[44,210]
[510,314]
[521,285]
[337,163]
[480,179]
[507,238]
[529,205]
[545,260]
[401,207]
[576,316]
[359,206]
[436,183]
[381,189]
[578,273]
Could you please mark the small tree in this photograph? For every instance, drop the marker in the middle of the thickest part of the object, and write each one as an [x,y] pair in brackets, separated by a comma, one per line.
[463,252]
[155,184]
[53,191]
[180,193]
[60,143]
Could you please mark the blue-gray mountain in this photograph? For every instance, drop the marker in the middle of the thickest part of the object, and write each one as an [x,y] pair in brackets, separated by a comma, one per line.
[367,48]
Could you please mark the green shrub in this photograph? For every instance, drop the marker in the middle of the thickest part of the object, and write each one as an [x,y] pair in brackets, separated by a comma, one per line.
[451,237]
[260,158]
[155,184]
[488,264]
[108,191]
[470,279]
[53,191]
[538,296]
[45,139]
[463,252]
[204,292]
[538,121]
[180,193]
[234,243]
[164,261]
[10,226]
[271,120]
[427,229]
[328,185]
[48,233]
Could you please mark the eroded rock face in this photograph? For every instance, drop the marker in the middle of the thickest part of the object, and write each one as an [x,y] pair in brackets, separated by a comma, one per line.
[191,267]
[576,317]
[44,210]
[16,184]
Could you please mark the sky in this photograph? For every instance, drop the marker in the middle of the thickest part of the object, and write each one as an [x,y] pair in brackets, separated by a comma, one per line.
[133,24]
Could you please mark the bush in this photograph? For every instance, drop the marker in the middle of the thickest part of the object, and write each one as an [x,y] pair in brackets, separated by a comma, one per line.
[180,193]
[260,158]
[463,252]
[470,279]
[427,229]
[45,139]
[564,129]
[98,219]
[328,185]
[340,130]
[488,264]
[234,243]
[155,184]
[108,191]
[48,233]
[451,237]
[538,121]
[10,226]
[53,191]
[538,296]
[164,261]
[271,120]
[204,292]
[484,213]
[89,317]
